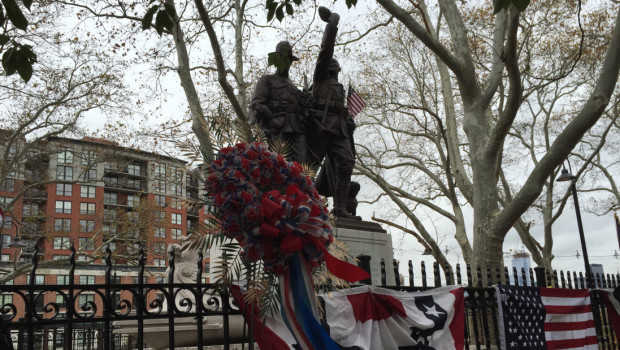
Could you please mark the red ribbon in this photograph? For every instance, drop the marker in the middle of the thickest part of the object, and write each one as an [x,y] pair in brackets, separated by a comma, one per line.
[341,269]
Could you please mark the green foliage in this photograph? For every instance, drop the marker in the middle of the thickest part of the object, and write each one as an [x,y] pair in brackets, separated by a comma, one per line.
[277,9]
[19,59]
[164,20]
[15,14]
[499,5]
[350,3]
[280,60]
[148,17]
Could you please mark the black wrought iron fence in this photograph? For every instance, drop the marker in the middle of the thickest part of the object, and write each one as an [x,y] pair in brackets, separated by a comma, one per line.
[113,315]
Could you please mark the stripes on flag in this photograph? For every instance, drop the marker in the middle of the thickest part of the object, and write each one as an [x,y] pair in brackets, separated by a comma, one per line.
[355,103]
[545,318]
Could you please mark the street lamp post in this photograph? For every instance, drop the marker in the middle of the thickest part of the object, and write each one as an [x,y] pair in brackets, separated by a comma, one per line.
[566,176]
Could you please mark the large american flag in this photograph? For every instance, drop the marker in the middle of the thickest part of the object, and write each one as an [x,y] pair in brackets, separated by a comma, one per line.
[354,102]
[545,318]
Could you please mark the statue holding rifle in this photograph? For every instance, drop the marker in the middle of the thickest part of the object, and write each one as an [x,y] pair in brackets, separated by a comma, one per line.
[330,125]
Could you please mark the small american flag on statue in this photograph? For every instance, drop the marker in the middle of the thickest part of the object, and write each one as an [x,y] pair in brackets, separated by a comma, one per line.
[354,102]
[545,318]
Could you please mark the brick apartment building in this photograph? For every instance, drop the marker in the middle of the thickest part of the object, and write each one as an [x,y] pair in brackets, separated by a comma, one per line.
[89,193]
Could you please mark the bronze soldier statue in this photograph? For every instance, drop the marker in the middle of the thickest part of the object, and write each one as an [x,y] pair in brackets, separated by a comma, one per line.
[331,131]
[276,106]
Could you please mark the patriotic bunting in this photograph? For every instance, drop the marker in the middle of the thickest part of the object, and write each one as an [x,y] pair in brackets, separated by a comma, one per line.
[373,318]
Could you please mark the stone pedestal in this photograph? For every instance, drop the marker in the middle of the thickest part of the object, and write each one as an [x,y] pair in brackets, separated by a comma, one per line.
[368,238]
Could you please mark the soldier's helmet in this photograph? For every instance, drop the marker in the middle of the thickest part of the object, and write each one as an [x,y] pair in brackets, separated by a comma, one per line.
[334,66]
[285,46]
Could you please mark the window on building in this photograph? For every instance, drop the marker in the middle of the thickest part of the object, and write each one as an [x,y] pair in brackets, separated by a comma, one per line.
[134,184]
[177,219]
[62,280]
[5,257]
[64,189]
[110,198]
[159,170]
[83,299]
[160,200]
[6,299]
[30,209]
[39,280]
[6,239]
[160,185]
[112,246]
[63,207]
[88,157]
[87,225]
[62,243]
[134,169]
[109,214]
[160,232]
[62,225]
[59,257]
[161,215]
[87,191]
[5,200]
[159,248]
[86,243]
[31,228]
[159,262]
[8,222]
[60,300]
[177,174]
[109,229]
[8,185]
[175,204]
[88,175]
[207,268]
[87,279]
[110,180]
[87,208]
[190,224]
[178,189]
[65,156]
[133,200]
[64,173]
[177,233]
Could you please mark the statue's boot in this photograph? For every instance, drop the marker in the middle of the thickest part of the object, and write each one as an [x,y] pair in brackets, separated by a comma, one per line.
[340,199]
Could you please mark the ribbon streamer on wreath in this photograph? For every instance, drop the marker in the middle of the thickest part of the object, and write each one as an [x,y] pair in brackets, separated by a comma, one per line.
[302,229]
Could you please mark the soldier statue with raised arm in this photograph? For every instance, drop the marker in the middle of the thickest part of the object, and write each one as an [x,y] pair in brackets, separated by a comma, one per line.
[331,126]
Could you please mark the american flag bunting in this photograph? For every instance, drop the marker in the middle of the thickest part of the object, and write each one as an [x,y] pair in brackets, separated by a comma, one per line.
[545,318]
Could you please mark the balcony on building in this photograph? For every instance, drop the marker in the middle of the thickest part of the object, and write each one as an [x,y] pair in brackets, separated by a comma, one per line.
[122,184]
[130,168]
[35,194]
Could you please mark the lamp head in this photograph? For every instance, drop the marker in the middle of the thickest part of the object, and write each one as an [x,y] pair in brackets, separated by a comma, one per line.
[565,176]
[17,243]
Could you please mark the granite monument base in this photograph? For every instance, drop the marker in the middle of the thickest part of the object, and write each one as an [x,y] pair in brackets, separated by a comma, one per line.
[369,239]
